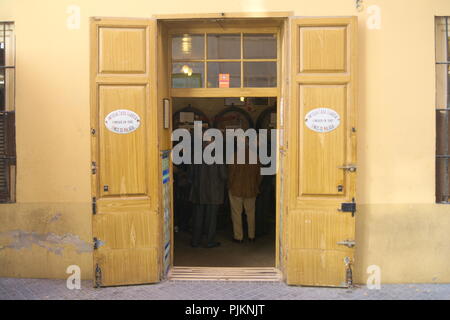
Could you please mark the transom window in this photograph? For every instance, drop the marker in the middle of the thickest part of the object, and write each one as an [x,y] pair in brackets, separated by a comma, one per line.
[224,60]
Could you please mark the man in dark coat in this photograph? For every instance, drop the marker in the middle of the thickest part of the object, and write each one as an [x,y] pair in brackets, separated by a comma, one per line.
[207,194]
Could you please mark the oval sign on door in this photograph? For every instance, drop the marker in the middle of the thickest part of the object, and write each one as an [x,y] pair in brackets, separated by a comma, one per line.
[122,121]
[322,120]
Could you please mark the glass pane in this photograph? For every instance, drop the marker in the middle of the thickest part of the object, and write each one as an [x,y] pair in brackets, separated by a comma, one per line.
[224,46]
[6,45]
[2,90]
[188,74]
[9,89]
[260,74]
[442,132]
[447,28]
[442,86]
[188,47]
[442,180]
[224,74]
[2,51]
[260,46]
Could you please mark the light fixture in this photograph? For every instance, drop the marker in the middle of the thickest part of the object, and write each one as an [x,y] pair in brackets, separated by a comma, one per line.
[186,44]
[187,70]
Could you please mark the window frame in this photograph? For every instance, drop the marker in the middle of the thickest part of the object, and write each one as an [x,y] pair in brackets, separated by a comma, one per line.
[7,114]
[241,91]
[442,106]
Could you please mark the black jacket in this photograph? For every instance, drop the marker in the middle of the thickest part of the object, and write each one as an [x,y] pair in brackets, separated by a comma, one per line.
[208,183]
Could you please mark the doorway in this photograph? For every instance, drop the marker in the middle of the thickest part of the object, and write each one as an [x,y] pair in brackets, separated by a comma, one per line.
[133,76]
[227,74]
[256,250]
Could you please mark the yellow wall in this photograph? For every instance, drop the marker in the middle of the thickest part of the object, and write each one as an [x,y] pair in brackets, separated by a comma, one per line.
[399,227]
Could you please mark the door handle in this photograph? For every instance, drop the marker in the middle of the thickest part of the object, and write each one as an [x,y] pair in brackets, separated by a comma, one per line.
[349,167]
[347,243]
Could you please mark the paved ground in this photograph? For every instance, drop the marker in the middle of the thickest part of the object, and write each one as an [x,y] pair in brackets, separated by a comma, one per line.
[12,289]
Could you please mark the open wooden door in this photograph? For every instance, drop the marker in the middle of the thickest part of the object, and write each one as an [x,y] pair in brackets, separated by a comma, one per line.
[320,223]
[125,155]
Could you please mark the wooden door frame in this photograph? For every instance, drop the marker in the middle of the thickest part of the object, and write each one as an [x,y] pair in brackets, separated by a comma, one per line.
[281,92]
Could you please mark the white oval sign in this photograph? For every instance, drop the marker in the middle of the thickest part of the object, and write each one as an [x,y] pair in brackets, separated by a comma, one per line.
[122,121]
[322,120]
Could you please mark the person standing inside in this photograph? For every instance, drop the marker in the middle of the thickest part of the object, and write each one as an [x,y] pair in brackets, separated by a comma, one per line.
[207,194]
[243,187]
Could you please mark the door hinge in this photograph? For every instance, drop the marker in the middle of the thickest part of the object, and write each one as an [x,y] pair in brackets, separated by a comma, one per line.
[94,167]
[347,243]
[348,207]
[94,205]
[349,167]
[348,272]
[98,276]
[97,243]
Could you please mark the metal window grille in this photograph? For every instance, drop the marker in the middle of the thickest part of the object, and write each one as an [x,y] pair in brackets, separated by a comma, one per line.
[7,113]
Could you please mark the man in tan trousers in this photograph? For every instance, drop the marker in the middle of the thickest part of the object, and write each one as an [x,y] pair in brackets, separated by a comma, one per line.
[243,187]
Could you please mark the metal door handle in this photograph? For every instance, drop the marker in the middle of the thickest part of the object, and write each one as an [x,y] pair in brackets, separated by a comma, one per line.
[347,243]
[349,167]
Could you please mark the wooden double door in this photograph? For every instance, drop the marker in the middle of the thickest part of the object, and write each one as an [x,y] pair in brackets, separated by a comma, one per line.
[317,160]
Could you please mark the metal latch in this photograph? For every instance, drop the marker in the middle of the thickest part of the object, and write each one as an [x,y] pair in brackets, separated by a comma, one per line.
[94,205]
[348,207]
[98,276]
[347,243]
[349,167]
[97,243]
[94,167]
[348,272]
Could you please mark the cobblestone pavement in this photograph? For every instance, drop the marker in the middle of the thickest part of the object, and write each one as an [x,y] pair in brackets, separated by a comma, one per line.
[15,289]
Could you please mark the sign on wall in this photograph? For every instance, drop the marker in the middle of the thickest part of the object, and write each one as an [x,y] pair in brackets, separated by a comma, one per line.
[322,120]
[224,80]
[122,121]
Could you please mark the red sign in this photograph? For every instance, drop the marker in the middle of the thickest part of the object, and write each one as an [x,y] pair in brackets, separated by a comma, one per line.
[224,80]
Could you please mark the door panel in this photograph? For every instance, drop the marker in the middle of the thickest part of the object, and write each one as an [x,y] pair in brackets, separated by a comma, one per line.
[321,154]
[125,171]
[118,149]
[322,49]
[323,64]
[122,50]
[124,266]
[126,229]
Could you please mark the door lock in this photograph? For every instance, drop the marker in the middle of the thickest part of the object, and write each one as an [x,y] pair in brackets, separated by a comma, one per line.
[349,167]
[347,243]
